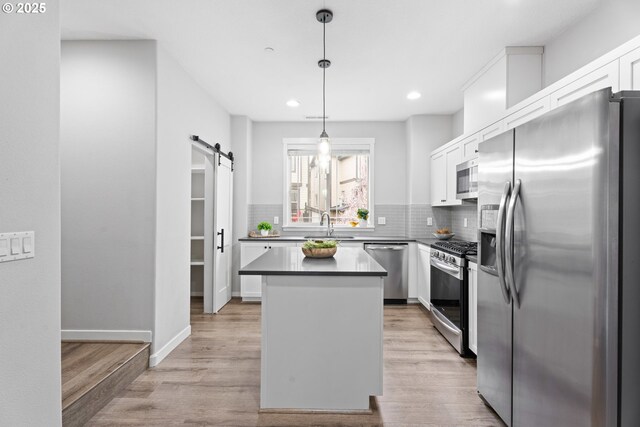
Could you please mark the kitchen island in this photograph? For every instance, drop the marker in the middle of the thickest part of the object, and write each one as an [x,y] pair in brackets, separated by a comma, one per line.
[321,330]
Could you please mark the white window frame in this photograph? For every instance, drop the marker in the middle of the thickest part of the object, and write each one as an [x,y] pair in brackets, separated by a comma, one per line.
[364,144]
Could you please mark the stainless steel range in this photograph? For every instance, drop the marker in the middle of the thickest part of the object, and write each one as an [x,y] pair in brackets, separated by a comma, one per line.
[449,297]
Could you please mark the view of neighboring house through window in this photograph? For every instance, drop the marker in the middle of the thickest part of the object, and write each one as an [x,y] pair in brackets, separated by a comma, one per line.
[340,188]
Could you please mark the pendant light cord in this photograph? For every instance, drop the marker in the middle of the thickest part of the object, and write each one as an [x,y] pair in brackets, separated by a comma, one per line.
[324,70]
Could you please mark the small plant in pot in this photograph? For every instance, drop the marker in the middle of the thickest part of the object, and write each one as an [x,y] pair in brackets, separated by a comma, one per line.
[264,228]
[363,215]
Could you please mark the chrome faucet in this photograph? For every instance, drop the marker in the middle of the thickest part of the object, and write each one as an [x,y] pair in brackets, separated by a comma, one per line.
[329,226]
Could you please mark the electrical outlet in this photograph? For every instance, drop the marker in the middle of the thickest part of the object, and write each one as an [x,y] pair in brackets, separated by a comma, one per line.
[464,222]
[382,220]
[276,220]
[429,221]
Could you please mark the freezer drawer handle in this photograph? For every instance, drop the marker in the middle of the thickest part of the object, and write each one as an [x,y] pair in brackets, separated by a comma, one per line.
[509,243]
[500,242]
[442,322]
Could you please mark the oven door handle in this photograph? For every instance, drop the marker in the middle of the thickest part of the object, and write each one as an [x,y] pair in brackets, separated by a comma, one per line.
[442,322]
[454,271]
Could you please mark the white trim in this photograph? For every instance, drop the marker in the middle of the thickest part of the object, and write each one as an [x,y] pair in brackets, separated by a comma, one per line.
[105,335]
[235,294]
[351,143]
[425,303]
[159,355]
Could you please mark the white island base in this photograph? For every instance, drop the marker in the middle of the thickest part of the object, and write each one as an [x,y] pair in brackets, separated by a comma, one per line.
[321,342]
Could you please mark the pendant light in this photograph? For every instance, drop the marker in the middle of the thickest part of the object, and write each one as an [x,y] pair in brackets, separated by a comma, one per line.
[324,16]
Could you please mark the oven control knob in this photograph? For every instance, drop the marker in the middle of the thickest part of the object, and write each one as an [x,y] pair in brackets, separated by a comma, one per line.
[435,254]
[452,259]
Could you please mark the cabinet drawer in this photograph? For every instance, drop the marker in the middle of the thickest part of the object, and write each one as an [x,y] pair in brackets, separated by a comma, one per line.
[599,79]
[630,71]
[527,113]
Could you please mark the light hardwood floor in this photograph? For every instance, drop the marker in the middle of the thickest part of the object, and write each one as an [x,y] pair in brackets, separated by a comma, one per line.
[213,378]
[94,372]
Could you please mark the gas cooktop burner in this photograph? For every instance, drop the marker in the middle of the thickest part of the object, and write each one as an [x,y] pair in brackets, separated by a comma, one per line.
[458,247]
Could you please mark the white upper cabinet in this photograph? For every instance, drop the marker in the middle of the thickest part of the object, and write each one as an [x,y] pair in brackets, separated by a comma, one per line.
[630,71]
[491,131]
[601,78]
[469,146]
[454,158]
[510,77]
[530,112]
[438,179]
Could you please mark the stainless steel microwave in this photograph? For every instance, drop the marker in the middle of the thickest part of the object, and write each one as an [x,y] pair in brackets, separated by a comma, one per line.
[467,180]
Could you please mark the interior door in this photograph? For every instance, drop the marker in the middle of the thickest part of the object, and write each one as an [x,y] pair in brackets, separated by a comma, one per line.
[223,234]
[560,260]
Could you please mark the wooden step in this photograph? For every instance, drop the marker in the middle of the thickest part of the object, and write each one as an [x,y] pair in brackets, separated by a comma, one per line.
[93,373]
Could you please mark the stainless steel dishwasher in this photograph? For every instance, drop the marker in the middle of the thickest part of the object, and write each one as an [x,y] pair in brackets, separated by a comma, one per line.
[393,257]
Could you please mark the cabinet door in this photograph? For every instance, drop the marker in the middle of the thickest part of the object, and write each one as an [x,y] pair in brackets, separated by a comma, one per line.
[605,76]
[473,307]
[251,286]
[454,158]
[491,131]
[424,287]
[469,147]
[630,71]
[530,112]
[439,179]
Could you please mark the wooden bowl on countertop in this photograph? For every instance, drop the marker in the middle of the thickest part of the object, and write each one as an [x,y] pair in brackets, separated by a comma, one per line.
[319,252]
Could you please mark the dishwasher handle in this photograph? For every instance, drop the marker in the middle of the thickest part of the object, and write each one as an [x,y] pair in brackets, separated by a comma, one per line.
[385,248]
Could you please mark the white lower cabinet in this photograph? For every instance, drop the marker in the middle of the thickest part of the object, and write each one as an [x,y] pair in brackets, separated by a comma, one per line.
[251,286]
[473,307]
[424,275]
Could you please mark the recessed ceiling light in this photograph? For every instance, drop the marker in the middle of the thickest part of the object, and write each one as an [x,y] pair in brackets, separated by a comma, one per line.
[413,95]
[269,49]
[293,103]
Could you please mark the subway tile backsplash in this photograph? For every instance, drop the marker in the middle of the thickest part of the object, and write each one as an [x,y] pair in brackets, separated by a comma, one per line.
[401,220]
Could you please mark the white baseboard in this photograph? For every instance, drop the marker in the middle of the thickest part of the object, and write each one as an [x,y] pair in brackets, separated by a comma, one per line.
[105,335]
[197,294]
[159,355]
[235,294]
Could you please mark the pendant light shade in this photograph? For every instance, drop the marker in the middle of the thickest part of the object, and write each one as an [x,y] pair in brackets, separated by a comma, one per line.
[324,16]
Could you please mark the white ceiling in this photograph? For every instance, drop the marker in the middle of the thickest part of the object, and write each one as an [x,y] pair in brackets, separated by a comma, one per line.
[380,50]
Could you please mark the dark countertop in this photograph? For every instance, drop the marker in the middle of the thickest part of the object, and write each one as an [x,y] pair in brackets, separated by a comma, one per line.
[292,262]
[472,258]
[364,239]
[335,237]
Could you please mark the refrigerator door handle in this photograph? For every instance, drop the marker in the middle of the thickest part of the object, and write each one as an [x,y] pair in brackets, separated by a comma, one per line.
[509,243]
[500,242]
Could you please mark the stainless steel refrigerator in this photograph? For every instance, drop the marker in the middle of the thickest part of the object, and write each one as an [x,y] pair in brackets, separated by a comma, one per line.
[559,268]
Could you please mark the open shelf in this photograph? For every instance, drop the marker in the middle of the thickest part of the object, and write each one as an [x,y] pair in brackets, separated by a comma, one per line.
[197,237]
[197,199]
[197,262]
[197,169]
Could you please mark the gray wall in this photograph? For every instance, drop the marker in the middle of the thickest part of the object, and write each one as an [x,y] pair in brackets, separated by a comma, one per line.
[241,136]
[608,26]
[30,194]
[268,160]
[183,108]
[108,160]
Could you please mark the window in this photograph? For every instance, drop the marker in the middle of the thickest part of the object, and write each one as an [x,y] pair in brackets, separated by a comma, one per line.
[339,188]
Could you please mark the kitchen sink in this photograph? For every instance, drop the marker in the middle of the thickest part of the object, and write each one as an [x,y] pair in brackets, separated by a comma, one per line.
[335,237]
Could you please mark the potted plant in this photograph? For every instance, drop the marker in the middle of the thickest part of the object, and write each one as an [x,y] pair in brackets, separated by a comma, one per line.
[362,214]
[264,228]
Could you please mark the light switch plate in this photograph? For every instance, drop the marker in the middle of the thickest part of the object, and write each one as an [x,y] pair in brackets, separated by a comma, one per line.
[276,220]
[382,220]
[17,245]
[464,222]
[429,221]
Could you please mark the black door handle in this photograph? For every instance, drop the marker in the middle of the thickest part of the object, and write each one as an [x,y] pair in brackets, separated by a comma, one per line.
[221,234]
